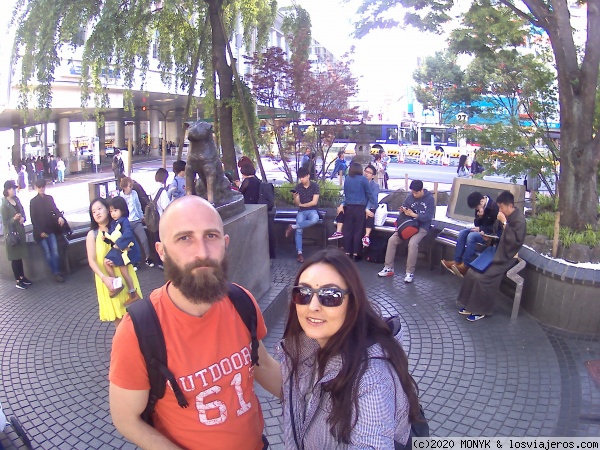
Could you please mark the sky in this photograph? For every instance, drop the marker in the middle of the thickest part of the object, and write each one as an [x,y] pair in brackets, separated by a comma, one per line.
[384,60]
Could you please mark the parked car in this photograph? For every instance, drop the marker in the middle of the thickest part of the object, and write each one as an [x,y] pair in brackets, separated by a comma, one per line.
[109,152]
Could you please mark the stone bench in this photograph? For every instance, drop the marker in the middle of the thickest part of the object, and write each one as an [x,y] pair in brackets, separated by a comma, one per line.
[288,217]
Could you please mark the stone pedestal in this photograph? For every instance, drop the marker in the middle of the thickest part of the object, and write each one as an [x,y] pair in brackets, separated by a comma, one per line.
[248,250]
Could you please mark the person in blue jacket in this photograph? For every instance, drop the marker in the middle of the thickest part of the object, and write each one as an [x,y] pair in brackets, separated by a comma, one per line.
[420,204]
[357,195]
[340,165]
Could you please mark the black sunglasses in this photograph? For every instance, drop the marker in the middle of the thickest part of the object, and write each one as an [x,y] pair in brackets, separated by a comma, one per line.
[328,296]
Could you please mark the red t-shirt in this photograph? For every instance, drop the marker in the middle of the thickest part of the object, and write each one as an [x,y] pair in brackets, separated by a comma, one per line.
[210,358]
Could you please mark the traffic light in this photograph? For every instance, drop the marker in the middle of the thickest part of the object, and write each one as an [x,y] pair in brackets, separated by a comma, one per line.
[143,108]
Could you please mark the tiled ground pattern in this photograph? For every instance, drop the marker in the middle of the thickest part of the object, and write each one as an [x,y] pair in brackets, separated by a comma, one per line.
[495,377]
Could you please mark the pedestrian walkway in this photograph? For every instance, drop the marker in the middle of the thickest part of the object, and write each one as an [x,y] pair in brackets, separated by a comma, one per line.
[494,377]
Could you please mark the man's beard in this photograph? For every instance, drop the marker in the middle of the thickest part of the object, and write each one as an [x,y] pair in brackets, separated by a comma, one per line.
[200,286]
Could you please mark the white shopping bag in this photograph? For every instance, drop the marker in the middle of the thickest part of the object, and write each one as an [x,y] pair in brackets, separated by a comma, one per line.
[381,214]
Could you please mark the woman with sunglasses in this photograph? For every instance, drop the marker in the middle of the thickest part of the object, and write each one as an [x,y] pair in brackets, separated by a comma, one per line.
[345,377]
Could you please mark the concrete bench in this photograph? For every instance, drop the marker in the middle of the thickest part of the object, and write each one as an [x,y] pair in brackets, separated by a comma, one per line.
[288,217]
[448,236]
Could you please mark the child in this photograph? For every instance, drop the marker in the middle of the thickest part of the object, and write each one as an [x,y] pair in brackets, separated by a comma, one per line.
[124,250]
[177,186]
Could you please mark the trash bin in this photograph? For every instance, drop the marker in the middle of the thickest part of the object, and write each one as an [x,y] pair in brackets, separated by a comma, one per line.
[103,189]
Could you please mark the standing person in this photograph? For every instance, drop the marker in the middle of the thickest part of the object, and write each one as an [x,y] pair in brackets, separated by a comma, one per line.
[111,308]
[476,168]
[479,291]
[12,173]
[118,166]
[47,223]
[305,158]
[340,166]
[420,205]
[13,216]
[250,186]
[369,173]
[357,194]
[346,383]
[385,160]
[39,168]
[29,164]
[380,170]
[22,179]
[177,186]
[306,198]
[125,251]
[486,214]
[60,169]
[462,171]
[53,169]
[159,192]
[136,215]
[207,343]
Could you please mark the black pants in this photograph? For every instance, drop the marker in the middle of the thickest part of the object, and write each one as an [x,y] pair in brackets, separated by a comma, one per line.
[17,268]
[354,228]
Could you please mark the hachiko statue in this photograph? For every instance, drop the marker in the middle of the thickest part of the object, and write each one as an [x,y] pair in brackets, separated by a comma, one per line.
[203,159]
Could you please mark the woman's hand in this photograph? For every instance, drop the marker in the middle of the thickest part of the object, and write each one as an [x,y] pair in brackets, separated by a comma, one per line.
[17,217]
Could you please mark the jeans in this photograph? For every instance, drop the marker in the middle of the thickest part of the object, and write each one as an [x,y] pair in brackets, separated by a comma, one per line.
[51,253]
[61,176]
[466,243]
[304,219]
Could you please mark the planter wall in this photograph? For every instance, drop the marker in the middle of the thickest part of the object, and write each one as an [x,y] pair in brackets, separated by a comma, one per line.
[561,295]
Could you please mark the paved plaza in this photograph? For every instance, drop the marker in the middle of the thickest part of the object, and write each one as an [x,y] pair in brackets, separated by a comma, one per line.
[494,377]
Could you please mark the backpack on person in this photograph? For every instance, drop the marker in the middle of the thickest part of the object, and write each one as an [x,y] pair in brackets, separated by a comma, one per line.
[406,226]
[151,214]
[142,195]
[266,195]
[153,347]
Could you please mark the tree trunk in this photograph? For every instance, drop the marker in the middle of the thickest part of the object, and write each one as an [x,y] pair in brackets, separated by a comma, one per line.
[225,73]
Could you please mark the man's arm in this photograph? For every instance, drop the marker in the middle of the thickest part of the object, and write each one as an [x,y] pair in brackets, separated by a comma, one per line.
[313,202]
[126,407]
[268,373]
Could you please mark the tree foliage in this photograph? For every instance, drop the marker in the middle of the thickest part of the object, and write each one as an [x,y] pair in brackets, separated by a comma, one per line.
[575,43]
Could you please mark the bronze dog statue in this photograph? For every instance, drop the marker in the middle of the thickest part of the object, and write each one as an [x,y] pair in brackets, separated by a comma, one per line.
[203,159]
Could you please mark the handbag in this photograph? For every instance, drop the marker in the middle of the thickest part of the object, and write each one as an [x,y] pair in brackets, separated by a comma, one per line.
[484,260]
[381,214]
[13,237]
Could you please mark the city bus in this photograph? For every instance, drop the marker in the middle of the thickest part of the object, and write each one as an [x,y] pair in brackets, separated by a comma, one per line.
[428,134]
[382,135]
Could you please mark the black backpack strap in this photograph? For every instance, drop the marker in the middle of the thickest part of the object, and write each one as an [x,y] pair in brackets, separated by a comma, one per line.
[154,350]
[247,311]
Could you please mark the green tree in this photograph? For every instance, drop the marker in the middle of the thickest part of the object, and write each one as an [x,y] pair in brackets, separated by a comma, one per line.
[120,42]
[576,57]
[440,86]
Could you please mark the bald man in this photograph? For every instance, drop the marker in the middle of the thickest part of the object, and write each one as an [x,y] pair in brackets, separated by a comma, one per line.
[208,346]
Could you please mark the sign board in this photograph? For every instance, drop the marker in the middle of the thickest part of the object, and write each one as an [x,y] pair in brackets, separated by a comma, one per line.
[462,187]
[97,150]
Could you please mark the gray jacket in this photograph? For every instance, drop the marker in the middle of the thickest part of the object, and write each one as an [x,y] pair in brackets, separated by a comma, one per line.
[382,403]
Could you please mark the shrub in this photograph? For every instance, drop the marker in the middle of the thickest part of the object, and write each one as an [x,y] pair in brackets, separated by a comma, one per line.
[543,223]
[329,196]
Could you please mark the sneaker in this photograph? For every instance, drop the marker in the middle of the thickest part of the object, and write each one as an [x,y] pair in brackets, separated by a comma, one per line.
[366,241]
[459,270]
[474,317]
[149,263]
[448,265]
[300,258]
[58,278]
[335,235]
[464,312]
[288,231]
[21,285]
[409,277]
[26,281]
[386,272]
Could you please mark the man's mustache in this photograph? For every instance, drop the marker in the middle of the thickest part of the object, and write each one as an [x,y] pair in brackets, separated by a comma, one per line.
[200,263]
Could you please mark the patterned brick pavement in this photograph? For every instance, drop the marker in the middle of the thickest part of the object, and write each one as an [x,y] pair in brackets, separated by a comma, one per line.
[494,377]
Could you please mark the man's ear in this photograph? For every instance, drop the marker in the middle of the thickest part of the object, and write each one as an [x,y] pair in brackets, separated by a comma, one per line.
[160,250]
[226,237]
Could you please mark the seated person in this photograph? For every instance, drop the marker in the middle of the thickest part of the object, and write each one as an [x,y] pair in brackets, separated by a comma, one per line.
[486,212]
[420,204]
[306,198]
[479,290]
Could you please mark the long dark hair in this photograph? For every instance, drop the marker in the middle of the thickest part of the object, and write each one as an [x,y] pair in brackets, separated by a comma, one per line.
[93,224]
[461,162]
[361,328]
[355,169]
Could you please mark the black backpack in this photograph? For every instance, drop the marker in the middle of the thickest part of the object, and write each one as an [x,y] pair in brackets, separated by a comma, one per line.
[151,214]
[152,344]
[266,195]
